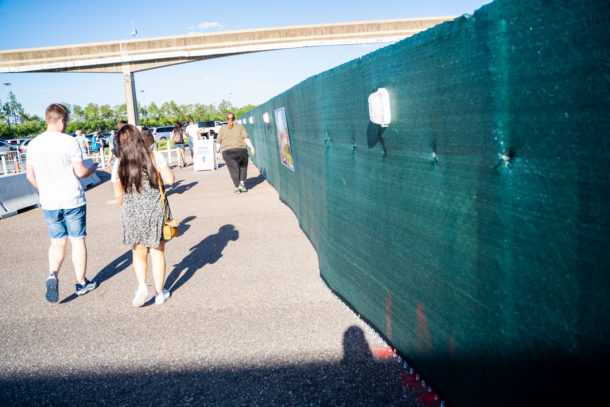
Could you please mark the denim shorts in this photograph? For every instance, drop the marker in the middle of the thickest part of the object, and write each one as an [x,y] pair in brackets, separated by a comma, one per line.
[67,222]
[180,145]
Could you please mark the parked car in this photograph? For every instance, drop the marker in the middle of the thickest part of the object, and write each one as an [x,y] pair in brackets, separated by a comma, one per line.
[5,146]
[210,127]
[162,132]
[24,145]
[16,142]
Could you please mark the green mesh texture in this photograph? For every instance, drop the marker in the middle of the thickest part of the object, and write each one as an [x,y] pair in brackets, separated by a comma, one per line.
[474,230]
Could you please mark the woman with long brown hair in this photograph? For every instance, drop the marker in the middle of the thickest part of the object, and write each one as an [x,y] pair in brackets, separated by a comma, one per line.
[136,189]
[178,139]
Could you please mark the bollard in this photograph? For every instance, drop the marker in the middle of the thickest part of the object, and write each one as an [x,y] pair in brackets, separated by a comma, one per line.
[169,153]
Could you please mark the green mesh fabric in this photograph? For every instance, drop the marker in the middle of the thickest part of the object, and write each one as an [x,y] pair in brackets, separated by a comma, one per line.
[473,231]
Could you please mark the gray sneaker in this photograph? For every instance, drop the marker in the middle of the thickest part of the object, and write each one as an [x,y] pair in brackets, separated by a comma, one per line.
[236,191]
[82,289]
[52,294]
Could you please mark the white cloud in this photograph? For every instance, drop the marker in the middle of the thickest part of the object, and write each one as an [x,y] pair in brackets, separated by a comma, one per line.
[209,25]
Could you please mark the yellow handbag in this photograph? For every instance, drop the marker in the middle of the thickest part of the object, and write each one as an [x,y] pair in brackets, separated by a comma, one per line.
[170,226]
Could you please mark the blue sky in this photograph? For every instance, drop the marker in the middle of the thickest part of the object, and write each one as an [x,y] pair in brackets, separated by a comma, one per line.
[243,79]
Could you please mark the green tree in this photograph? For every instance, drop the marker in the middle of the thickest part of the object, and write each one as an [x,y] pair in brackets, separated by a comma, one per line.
[12,109]
[224,107]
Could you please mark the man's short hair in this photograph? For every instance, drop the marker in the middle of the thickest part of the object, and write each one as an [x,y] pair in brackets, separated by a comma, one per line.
[55,112]
[191,120]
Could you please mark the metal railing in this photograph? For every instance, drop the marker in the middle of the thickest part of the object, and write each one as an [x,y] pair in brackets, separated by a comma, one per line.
[11,162]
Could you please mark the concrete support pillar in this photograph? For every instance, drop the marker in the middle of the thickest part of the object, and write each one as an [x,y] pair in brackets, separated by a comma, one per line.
[130,96]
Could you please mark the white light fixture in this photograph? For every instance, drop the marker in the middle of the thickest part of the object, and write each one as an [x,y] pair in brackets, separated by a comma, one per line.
[251,119]
[266,117]
[379,107]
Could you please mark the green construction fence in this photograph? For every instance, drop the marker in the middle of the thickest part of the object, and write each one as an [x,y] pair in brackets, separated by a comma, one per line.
[473,231]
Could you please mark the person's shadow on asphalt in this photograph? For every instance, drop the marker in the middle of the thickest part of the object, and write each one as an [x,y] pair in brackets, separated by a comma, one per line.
[113,268]
[208,251]
[179,189]
[252,182]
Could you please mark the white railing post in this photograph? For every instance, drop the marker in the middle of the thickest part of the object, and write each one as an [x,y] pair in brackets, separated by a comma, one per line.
[4,165]
[169,153]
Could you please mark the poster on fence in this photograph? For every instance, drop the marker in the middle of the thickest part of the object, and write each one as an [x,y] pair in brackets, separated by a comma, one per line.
[283,138]
[204,155]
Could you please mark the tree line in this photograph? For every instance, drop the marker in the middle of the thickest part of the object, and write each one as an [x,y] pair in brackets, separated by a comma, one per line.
[14,122]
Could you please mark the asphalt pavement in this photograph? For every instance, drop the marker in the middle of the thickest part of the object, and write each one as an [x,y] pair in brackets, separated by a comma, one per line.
[249,321]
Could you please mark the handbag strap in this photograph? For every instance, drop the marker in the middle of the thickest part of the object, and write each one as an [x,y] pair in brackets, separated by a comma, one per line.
[159,181]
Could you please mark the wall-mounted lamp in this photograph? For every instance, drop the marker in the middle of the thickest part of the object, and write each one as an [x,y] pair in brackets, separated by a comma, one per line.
[266,117]
[379,107]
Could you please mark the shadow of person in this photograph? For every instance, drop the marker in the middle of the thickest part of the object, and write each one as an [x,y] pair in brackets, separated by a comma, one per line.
[180,189]
[183,226]
[208,251]
[356,350]
[252,182]
[113,268]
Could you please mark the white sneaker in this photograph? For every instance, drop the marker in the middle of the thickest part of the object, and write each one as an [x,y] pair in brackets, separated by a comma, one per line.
[161,298]
[140,295]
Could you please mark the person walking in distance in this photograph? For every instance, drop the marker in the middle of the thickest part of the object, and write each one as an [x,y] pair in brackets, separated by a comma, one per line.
[136,188]
[233,139]
[110,152]
[82,142]
[178,139]
[54,165]
[194,133]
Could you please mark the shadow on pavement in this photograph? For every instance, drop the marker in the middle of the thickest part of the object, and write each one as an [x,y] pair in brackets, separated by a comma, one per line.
[252,182]
[358,380]
[208,251]
[113,268]
[179,189]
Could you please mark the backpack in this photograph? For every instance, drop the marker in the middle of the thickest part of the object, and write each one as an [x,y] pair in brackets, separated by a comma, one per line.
[177,137]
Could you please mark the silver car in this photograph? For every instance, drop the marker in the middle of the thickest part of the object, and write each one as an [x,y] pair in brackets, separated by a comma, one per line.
[162,133]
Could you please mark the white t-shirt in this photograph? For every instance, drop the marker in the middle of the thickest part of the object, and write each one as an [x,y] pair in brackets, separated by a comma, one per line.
[159,158]
[51,154]
[193,131]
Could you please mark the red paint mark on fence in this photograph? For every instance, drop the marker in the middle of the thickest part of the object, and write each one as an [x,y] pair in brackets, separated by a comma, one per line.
[388,315]
[384,353]
[422,333]
[451,347]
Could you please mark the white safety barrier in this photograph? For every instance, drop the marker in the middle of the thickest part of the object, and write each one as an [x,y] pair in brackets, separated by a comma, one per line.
[17,193]
[92,179]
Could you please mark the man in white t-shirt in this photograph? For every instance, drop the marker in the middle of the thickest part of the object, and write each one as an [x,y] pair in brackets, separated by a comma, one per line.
[54,165]
[194,133]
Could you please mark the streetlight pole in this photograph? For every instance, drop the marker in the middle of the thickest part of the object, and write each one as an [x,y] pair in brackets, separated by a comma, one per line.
[144,112]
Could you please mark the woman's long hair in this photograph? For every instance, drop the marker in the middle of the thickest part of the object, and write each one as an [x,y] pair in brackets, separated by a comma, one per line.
[135,165]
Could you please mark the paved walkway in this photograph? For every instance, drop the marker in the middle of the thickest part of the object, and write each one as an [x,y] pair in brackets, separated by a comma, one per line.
[249,321]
